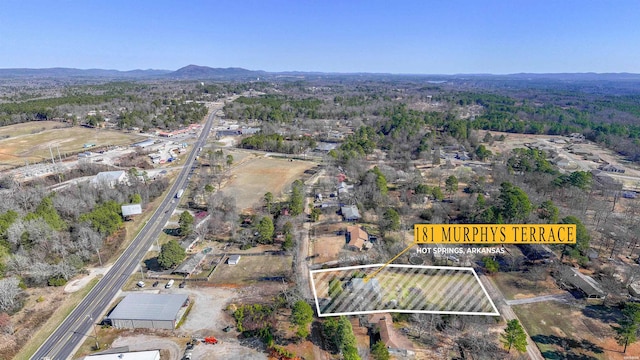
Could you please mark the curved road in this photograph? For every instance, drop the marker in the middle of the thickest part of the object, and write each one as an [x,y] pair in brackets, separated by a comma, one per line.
[73,330]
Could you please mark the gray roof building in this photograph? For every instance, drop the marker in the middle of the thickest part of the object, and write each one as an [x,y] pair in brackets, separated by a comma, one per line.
[586,284]
[233,259]
[133,209]
[188,242]
[110,178]
[350,212]
[190,265]
[148,311]
[144,144]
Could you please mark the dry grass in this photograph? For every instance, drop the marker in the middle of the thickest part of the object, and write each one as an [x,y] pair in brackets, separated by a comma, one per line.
[328,248]
[256,176]
[515,286]
[252,269]
[25,145]
[40,335]
[560,330]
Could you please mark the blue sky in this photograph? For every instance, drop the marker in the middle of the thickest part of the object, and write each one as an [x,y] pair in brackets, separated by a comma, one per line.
[394,36]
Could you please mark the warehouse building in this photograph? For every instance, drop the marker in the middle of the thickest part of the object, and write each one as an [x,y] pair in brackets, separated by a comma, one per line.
[148,311]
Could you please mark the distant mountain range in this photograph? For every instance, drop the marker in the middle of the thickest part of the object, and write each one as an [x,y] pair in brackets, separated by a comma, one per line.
[196,72]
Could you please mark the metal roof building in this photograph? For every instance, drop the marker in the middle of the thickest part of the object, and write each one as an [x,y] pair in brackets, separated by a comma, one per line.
[144,144]
[350,213]
[190,265]
[136,355]
[148,311]
[586,284]
[110,178]
[233,259]
[133,209]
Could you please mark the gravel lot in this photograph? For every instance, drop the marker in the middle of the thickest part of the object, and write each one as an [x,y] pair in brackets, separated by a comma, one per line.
[207,318]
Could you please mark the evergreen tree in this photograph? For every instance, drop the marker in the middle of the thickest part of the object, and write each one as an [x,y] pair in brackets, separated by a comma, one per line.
[186,223]
[514,336]
[265,230]
[379,351]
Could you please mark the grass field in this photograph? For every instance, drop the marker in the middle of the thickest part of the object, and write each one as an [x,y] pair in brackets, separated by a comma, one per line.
[28,142]
[258,175]
[252,269]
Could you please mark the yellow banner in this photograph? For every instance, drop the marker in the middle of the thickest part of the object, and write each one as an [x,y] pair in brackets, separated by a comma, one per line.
[495,234]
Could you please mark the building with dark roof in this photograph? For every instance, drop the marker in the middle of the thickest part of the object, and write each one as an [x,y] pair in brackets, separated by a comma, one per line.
[148,311]
[612,168]
[190,265]
[586,284]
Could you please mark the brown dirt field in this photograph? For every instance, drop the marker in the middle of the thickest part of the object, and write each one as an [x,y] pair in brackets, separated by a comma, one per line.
[327,248]
[261,174]
[35,147]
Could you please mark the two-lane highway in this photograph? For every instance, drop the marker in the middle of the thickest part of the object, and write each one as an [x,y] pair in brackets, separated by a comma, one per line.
[77,326]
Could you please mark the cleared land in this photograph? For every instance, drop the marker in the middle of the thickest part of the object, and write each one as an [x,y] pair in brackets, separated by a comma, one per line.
[582,334]
[261,174]
[252,269]
[29,142]
[514,286]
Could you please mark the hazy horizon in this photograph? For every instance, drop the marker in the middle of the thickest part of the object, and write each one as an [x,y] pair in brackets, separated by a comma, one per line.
[404,37]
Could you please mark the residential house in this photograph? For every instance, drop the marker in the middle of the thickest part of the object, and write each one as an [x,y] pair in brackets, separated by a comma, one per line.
[584,283]
[350,213]
[397,344]
[357,239]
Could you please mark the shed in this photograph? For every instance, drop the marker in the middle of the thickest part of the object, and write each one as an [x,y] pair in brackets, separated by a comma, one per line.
[586,284]
[133,209]
[134,355]
[350,213]
[148,311]
[233,259]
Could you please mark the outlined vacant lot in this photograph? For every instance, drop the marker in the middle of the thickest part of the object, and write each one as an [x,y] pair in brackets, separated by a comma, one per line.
[400,288]
[255,177]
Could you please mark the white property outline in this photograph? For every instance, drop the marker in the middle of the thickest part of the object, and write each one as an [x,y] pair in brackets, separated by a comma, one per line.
[315,295]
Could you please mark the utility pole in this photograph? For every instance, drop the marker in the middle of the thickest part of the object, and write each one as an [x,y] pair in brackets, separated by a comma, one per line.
[99,258]
[95,333]
[52,158]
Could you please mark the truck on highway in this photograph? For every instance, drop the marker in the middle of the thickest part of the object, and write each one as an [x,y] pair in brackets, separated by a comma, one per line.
[179,193]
